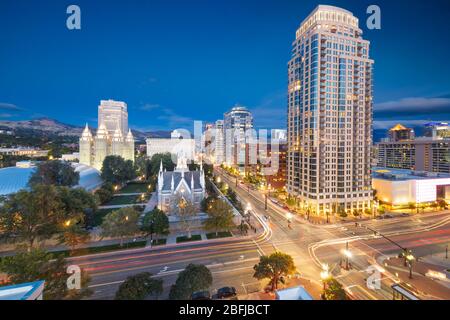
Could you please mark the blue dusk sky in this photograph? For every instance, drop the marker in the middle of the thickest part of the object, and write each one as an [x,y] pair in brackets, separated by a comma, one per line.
[177,61]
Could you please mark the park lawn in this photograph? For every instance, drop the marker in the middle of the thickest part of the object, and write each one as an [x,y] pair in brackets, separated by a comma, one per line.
[100,249]
[195,237]
[99,215]
[118,200]
[135,188]
[222,234]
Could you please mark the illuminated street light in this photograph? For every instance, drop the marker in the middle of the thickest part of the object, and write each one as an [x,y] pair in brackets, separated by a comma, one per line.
[346,252]
[410,258]
[67,223]
[325,275]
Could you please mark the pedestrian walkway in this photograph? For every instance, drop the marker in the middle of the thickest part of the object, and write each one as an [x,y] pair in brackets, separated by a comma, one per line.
[118,206]
[128,194]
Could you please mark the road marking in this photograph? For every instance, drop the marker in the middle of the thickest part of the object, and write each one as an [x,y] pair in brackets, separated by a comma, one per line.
[105,284]
[260,250]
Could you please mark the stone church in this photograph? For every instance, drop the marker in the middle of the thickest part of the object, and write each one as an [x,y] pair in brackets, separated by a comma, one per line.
[180,185]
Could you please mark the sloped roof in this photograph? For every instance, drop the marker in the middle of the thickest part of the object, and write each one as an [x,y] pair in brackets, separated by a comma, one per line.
[167,179]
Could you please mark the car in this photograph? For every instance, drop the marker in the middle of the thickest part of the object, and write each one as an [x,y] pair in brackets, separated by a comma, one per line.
[201,295]
[404,214]
[226,293]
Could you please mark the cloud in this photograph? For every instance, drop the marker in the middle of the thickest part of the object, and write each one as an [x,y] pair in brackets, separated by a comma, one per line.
[6,115]
[149,107]
[413,106]
[387,124]
[175,120]
[9,107]
[270,113]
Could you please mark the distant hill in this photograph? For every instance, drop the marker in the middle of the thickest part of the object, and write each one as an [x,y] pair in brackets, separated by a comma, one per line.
[50,127]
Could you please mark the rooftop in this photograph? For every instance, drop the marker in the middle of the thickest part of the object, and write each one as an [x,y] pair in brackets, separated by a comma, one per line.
[23,291]
[404,174]
[13,179]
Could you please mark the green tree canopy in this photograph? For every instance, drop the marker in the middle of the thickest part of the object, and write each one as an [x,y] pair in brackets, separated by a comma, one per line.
[195,277]
[155,163]
[220,217]
[155,222]
[57,173]
[139,287]
[116,169]
[334,290]
[121,223]
[31,216]
[40,265]
[274,267]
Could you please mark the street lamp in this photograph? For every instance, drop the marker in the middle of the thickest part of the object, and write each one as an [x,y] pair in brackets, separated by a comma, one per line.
[289,217]
[410,258]
[324,275]
[347,255]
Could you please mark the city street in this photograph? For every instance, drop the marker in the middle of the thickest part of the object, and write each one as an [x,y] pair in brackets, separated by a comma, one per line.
[231,260]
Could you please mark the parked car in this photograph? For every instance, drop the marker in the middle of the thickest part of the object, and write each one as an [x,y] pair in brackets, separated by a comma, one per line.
[201,295]
[226,293]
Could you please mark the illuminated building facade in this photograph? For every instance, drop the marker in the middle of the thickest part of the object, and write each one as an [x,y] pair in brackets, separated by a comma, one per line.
[330,114]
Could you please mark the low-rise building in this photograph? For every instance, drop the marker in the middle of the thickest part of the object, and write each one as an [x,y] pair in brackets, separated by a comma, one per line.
[400,187]
[174,145]
[24,151]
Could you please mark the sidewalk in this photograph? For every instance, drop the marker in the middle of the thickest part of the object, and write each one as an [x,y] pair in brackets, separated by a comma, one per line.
[428,288]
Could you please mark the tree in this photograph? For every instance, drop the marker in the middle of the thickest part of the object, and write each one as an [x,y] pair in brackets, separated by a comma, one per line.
[143,166]
[75,203]
[411,206]
[185,210]
[194,278]
[274,267]
[155,222]
[243,227]
[333,290]
[31,216]
[104,195]
[220,217]
[206,202]
[73,235]
[442,204]
[40,265]
[155,163]
[115,169]
[139,287]
[57,173]
[121,223]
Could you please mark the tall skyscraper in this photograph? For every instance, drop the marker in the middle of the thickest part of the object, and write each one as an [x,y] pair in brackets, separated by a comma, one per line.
[237,123]
[330,114]
[114,115]
[112,138]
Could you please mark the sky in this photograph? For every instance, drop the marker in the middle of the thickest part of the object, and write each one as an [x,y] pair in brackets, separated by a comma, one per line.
[177,61]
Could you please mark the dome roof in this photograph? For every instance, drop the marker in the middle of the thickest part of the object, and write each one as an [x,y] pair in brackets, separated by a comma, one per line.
[13,179]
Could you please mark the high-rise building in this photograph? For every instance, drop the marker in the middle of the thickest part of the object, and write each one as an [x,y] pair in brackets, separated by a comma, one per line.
[437,130]
[330,114]
[114,115]
[237,124]
[219,143]
[420,154]
[108,141]
[400,133]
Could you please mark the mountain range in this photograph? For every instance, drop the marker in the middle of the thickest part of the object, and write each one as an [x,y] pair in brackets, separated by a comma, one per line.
[49,127]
